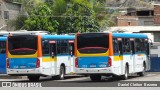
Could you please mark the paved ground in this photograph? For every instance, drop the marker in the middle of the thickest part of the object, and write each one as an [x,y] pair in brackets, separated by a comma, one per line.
[81,81]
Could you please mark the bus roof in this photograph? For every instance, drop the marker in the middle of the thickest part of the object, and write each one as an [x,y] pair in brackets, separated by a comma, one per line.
[3,38]
[130,35]
[123,35]
[24,32]
[50,37]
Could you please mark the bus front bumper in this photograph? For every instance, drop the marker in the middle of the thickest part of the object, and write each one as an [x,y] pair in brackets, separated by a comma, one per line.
[93,70]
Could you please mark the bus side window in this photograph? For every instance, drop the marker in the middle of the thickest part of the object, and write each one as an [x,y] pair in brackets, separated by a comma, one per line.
[115,45]
[53,50]
[62,47]
[120,46]
[45,48]
[126,45]
[132,43]
[146,46]
[139,44]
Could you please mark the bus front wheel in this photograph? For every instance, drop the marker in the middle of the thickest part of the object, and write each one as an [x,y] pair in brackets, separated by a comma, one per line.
[95,77]
[33,78]
[143,72]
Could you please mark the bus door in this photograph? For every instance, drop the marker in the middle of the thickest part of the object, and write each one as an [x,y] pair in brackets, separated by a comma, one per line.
[71,52]
[132,53]
[120,53]
[53,53]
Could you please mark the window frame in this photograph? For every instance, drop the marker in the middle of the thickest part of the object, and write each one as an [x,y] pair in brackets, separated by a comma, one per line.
[126,44]
[6,15]
[60,46]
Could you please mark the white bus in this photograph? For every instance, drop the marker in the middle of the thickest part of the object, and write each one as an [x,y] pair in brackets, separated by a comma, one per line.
[40,55]
[115,54]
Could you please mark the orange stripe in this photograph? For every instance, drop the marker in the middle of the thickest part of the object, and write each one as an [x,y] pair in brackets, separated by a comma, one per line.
[39,45]
[75,45]
[110,45]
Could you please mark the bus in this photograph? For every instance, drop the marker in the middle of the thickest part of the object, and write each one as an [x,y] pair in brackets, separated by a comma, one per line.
[3,54]
[111,54]
[3,37]
[40,55]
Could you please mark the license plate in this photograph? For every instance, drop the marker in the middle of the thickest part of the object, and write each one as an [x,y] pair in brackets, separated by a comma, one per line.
[92,66]
[22,66]
[92,70]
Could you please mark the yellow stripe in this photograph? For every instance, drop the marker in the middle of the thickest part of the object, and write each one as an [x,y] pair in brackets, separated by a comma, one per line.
[118,58]
[49,59]
[99,54]
[22,56]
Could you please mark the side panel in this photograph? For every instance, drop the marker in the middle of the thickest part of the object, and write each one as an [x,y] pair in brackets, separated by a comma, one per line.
[2,63]
[64,59]
[48,65]
[139,59]
[2,55]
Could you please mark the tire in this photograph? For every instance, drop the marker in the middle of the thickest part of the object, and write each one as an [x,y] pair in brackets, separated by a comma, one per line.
[33,78]
[95,77]
[143,72]
[125,76]
[61,74]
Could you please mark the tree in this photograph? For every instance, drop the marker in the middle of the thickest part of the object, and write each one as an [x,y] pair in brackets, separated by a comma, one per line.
[41,19]
[104,18]
[79,17]
[20,22]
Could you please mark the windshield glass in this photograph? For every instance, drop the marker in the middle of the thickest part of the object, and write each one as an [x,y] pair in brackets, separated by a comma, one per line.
[22,45]
[92,43]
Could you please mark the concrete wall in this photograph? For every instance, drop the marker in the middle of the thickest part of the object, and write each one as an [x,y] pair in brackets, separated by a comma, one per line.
[145,21]
[155,50]
[14,9]
[127,21]
[157,14]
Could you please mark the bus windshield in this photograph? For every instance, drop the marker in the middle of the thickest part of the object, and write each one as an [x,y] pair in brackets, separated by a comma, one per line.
[22,45]
[93,43]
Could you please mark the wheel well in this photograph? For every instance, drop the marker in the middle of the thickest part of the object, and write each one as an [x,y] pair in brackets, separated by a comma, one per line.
[63,65]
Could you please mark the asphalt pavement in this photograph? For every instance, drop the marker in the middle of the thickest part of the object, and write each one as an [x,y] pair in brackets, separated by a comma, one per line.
[81,81]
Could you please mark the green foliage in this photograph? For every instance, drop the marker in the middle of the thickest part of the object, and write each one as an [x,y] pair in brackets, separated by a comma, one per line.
[103,17]
[65,16]
[40,19]
[20,22]
[59,7]
[79,18]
